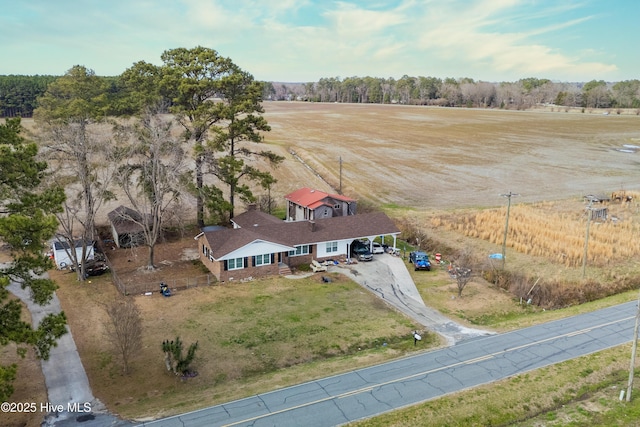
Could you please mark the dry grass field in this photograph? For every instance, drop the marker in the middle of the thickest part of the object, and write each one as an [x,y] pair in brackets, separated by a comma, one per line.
[443,170]
[556,231]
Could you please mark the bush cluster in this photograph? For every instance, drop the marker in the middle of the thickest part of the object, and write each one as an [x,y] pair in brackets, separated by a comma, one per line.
[554,294]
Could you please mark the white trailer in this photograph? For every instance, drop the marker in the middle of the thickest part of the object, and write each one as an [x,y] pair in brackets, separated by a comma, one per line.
[61,252]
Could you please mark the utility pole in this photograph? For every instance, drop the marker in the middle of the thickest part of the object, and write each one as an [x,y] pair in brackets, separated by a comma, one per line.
[633,351]
[586,240]
[506,224]
[340,189]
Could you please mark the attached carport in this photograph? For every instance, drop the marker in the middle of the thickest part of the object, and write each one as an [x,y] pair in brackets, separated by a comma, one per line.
[371,238]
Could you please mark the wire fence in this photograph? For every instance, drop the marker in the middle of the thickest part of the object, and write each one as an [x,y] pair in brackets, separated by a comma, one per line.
[136,288]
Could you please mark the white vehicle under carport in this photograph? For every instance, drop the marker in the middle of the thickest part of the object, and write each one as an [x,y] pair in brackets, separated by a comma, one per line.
[377,248]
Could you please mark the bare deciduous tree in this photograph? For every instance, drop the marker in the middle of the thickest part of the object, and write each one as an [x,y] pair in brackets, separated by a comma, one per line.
[152,176]
[123,330]
[413,231]
[70,119]
[265,202]
[462,269]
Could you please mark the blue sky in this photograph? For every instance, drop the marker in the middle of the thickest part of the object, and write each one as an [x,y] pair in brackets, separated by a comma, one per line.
[304,40]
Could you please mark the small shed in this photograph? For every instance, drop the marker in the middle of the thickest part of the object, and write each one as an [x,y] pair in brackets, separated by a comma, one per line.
[126,227]
[62,252]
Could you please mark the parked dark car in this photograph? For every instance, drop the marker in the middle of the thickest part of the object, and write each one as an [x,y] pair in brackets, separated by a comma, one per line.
[361,251]
[420,260]
[94,268]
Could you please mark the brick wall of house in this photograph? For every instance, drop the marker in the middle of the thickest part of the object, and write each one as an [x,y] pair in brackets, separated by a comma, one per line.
[217,267]
[213,266]
[295,261]
[245,273]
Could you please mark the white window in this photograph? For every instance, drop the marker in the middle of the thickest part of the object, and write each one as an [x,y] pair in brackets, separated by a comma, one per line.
[235,264]
[332,247]
[263,259]
[300,250]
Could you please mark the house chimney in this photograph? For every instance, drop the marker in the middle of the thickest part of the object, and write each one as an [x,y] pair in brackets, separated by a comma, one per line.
[312,225]
[251,207]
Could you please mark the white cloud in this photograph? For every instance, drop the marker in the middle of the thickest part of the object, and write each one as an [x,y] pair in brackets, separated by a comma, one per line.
[472,36]
[358,23]
[304,40]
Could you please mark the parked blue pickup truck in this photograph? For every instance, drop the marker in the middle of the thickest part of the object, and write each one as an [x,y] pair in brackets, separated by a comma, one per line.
[420,260]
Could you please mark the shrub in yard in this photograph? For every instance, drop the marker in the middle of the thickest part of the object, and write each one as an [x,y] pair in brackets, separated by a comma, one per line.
[173,358]
[555,294]
[497,276]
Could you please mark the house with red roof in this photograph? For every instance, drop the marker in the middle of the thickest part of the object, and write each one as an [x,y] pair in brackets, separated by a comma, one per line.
[261,245]
[307,204]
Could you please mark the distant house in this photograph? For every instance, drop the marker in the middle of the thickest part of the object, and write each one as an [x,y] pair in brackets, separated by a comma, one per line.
[62,252]
[261,245]
[126,227]
[307,204]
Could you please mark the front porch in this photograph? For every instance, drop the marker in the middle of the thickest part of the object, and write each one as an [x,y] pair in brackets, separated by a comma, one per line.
[283,269]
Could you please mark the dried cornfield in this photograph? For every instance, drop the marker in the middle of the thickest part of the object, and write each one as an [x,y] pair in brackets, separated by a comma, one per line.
[541,230]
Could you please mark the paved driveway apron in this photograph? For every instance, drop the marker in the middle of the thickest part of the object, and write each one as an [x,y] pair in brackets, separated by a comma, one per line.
[387,276]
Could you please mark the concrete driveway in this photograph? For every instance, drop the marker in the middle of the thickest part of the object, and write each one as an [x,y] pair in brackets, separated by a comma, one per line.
[68,389]
[387,277]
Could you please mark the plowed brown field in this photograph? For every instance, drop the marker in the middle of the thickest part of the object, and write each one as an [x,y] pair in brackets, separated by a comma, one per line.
[430,157]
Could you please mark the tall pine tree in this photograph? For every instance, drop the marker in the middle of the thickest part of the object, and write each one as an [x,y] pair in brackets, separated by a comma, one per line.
[26,221]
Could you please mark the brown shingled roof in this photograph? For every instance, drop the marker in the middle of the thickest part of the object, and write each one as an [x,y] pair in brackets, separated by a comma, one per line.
[251,217]
[124,220]
[226,241]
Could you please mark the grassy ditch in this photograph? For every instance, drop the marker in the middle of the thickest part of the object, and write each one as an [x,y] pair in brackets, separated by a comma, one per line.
[578,392]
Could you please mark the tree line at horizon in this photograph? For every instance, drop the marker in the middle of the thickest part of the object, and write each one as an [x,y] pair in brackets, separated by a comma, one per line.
[463,92]
[19,93]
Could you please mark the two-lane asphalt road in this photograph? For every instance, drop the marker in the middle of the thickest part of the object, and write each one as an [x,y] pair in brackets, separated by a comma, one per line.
[371,391]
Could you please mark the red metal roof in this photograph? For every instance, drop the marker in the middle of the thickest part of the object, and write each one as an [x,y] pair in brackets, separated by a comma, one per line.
[308,196]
